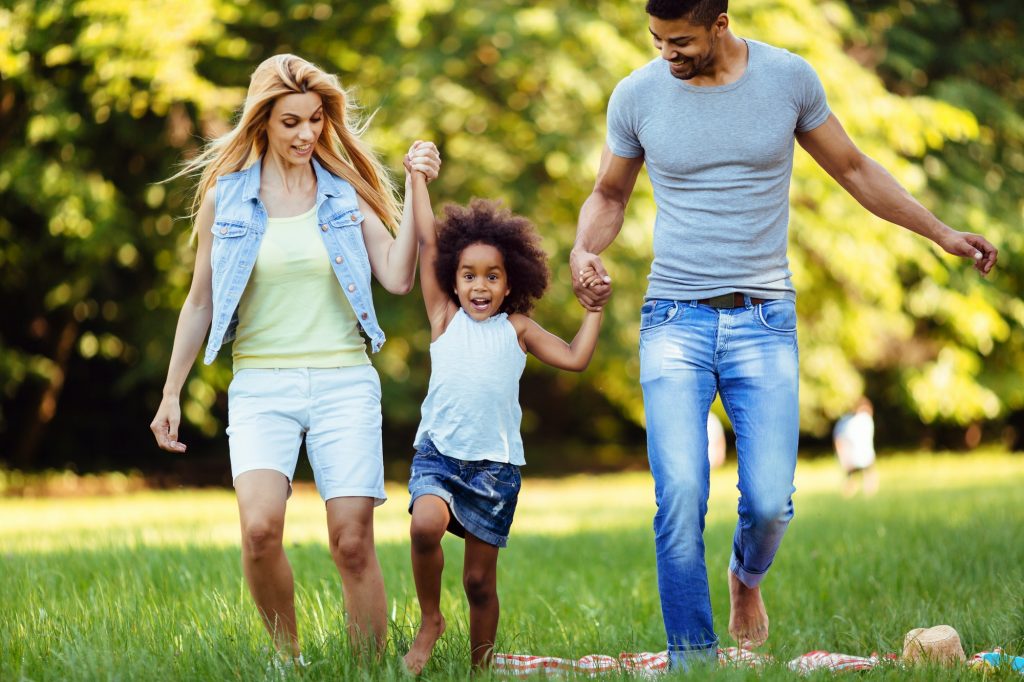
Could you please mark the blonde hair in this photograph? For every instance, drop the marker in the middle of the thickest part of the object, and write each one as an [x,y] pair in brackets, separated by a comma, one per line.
[339,148]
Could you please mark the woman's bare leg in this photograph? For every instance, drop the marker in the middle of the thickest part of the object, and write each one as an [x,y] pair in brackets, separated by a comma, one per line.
[350,528]
[262,497]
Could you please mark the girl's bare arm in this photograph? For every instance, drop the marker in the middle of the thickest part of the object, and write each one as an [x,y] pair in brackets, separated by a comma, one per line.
[551,350]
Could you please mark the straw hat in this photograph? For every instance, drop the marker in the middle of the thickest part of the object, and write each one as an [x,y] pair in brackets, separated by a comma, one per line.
[939,644]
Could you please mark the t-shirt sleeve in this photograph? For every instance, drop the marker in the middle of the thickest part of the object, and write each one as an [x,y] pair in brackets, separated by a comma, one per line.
[811,102]
[623,138]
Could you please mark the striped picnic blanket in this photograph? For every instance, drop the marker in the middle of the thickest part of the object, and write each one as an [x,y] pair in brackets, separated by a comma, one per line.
[651,664]
[520,665]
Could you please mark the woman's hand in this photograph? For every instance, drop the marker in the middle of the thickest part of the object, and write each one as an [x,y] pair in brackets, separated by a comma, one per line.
[165,425]
[423,157]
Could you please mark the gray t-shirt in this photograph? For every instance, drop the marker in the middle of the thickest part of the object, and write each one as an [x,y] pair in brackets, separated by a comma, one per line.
[720,160]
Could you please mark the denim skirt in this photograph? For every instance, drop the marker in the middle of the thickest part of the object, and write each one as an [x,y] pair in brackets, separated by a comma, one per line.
[480,495]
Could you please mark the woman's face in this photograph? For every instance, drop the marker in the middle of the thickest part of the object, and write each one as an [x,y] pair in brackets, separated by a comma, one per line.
[294,126]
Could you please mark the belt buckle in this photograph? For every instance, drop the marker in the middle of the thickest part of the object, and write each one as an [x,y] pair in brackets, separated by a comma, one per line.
[723,301]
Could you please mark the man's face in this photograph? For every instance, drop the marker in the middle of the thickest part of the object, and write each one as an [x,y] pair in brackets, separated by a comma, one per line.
[688,48]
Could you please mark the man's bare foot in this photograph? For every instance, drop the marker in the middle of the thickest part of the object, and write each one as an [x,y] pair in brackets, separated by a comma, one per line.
[748,621]
[430,631]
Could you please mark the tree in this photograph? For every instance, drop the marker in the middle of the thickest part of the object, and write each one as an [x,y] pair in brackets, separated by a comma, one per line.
[971,55]
[97,102]
[100,99]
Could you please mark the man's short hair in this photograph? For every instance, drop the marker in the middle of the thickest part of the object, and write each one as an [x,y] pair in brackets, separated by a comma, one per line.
[699,12]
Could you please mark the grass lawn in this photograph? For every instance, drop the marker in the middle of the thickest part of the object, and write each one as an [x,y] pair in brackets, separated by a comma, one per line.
[149,586]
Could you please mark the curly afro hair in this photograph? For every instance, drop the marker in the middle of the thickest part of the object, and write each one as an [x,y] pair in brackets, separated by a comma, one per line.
[487,222]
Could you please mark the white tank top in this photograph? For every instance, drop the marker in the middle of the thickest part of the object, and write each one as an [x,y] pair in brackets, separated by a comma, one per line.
[472,407]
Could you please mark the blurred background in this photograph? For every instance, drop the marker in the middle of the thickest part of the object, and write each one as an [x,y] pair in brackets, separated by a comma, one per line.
[100,100]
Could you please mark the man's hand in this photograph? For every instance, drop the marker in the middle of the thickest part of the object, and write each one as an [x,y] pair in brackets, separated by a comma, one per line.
[973,246]
[590,281]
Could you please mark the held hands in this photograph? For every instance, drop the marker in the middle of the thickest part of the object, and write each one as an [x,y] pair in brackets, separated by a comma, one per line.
[589,278]
[422,157]
[971,246]
[165,425]
[590,282]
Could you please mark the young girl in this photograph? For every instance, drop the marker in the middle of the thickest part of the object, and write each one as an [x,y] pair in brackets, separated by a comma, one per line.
[480,276]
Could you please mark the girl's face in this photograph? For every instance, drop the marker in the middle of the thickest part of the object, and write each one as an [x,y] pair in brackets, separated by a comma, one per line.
[294,126]
[481,282]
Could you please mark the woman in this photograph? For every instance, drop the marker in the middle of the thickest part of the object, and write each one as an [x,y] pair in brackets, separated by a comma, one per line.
[290,213]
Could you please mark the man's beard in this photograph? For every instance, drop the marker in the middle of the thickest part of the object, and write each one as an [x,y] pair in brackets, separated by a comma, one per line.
[698,67]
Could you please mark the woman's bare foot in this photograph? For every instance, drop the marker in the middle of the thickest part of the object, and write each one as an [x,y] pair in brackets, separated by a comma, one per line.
[748,621]
[430,631]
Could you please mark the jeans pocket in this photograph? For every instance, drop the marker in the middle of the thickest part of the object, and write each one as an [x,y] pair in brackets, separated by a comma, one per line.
[427,449]
[777,316]
[242,381]
[657,312]
[349,218]
[425,465]
[503,476]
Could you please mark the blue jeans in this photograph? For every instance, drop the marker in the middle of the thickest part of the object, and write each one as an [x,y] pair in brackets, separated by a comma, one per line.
[688,353]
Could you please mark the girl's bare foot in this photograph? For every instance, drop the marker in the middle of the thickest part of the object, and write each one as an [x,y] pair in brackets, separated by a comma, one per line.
[430,631]
[748,620]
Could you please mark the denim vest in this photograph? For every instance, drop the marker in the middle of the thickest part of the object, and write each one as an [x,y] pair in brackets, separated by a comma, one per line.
[239,222]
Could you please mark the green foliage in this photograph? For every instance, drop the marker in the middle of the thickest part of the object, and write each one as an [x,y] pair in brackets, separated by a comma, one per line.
[100,99]
[970,55]
[97,101]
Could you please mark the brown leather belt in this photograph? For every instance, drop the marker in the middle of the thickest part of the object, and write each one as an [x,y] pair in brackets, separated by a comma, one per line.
[733,300]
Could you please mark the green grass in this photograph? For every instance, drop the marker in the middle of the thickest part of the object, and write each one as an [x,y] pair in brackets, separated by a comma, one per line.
[148,585]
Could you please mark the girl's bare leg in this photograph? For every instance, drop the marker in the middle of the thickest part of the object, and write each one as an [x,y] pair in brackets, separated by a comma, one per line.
[480,578]
[430,518]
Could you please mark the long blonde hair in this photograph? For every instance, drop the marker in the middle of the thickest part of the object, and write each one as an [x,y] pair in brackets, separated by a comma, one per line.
[339,148]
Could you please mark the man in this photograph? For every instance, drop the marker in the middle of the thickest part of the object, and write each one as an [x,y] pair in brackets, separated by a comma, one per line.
[714,120]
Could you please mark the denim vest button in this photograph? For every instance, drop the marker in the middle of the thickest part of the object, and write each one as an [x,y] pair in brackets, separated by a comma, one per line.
[339,260]
[223,230]
[323,228]
[353,217]
[352,287]
[364,316]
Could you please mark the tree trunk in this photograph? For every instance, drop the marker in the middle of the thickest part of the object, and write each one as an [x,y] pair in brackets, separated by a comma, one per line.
[46,408]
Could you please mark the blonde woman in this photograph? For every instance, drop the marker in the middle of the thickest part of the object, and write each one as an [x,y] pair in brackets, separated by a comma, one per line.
[290,213]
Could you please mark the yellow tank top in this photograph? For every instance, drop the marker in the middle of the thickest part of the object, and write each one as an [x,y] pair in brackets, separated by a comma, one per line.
[293,312]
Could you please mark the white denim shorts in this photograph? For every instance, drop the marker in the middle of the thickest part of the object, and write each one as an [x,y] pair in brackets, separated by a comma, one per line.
[338,412]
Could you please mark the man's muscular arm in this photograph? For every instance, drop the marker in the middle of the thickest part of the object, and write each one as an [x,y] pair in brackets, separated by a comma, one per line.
[599,224]
[879,192]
